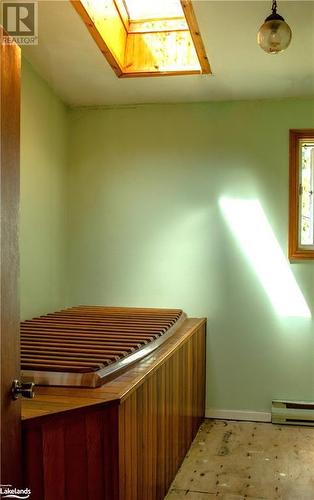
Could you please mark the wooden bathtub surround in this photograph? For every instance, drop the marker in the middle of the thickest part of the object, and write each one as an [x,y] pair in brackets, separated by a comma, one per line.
[124,440]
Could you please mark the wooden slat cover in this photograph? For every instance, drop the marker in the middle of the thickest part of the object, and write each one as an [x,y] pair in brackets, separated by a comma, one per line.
[87,339]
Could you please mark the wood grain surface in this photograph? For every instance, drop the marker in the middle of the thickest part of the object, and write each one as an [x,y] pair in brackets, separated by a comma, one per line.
[124,440]
[10,174]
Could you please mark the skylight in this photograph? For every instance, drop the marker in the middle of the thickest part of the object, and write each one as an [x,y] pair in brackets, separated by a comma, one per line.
[153,9]
[146,37]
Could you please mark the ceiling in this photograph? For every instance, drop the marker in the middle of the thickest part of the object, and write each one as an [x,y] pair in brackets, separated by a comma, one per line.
[68,58]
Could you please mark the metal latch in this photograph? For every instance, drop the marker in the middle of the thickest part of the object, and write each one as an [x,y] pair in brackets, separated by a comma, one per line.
[23,389]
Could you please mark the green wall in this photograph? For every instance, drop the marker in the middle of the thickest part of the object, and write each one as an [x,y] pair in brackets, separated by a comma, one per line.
[147,230]
[43,224]
[132,217]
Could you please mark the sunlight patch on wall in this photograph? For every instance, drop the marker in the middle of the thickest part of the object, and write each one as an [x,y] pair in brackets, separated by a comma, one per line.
[249,224]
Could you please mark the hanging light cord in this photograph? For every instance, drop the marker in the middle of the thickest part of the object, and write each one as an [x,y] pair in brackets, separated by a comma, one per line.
[274,7]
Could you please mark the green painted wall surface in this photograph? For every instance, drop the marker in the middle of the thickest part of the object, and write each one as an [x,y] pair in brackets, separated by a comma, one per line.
[147,230]
[132,217]
[43,224]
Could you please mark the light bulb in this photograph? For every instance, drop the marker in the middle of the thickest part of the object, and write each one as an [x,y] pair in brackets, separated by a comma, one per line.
[275,34]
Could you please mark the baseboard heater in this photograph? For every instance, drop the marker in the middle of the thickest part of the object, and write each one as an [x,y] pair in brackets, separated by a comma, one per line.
[292,412]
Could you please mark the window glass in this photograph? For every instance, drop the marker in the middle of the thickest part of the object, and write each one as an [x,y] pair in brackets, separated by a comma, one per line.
[151,9]
[306,193]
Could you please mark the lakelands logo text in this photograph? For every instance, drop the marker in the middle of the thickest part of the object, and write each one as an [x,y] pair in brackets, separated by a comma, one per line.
[7,491]
[20,22]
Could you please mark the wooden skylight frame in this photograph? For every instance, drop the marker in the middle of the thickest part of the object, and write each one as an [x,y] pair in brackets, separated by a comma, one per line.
[145,47]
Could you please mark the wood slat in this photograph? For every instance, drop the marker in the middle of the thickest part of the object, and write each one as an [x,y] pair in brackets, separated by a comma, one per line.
[80,342]
[87,327]
[82,334]
[66,348]
[69,357]
[33,466]
[75,457]
[125,310]
[119,316]
[112,317]
[53,457]
[68,366]
[94,432]
[98,316]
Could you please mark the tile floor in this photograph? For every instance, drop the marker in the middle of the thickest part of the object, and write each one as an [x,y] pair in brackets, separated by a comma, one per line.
[246,460]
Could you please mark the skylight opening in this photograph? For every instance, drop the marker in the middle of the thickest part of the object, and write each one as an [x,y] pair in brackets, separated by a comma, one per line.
[146,37]
[153,9]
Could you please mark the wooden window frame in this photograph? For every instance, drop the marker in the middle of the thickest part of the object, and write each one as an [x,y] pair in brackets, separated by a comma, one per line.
[296,252]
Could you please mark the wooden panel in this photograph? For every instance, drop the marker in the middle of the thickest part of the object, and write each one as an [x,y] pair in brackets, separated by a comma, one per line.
[10,353]
[76,457]
[294,250]
[160,52]
[129,449]
[33,463]
[54,459]
[196,35]
[123,13]
[111,452]
[94,451]
[159,421]
[73,456]
[158,25]
[107,30]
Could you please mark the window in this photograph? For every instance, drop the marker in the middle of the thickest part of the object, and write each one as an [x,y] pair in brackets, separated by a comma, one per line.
[146,37]
[301,202]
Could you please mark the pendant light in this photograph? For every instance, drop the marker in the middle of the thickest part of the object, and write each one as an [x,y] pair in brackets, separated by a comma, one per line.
[274,35]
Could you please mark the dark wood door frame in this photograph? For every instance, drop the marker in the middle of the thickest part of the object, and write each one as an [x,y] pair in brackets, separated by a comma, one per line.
[10,75]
